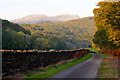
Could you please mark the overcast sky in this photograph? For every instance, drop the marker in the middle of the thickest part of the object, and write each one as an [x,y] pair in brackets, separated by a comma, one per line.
[13,9]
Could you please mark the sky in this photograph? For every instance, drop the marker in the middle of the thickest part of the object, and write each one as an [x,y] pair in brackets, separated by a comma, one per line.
[13,9]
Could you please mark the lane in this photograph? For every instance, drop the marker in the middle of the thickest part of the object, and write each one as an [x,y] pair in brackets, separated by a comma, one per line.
[87,69]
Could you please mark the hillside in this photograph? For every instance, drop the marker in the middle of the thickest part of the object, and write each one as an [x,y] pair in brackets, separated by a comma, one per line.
[15,37]
[15,27]
[76,33]
[37,18]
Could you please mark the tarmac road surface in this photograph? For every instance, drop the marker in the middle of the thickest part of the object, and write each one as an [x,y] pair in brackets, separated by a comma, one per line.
[86,69]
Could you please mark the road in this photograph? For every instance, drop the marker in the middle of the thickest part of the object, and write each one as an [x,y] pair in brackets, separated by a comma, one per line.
[87,69]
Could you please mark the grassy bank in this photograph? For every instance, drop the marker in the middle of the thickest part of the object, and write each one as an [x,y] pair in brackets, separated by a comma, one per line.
[52,70]
[109,66]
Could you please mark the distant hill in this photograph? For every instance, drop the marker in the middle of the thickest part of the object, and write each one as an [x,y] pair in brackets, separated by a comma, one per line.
[40,18]
[15,37]
[73,34]
[76,33]
[15,27]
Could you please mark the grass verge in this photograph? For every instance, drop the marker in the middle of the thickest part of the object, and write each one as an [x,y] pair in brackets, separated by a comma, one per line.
[95,50]
[48,72]
[109,66]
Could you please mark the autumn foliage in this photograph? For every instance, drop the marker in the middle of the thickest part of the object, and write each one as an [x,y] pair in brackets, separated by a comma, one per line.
[107,20]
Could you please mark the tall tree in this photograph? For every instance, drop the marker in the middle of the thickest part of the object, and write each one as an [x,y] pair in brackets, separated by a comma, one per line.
[107,19]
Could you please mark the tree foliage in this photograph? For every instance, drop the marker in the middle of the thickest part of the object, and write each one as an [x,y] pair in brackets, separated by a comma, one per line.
[112,0]
[14,37]
[107,20]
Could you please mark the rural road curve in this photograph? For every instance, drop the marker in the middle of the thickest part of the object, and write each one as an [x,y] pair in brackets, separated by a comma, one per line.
[86,69]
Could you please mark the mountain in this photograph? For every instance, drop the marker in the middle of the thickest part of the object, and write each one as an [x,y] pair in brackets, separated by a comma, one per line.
[30,19]
[40,18]
[76,33]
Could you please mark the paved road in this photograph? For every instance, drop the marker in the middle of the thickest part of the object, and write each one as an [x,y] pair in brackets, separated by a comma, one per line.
[87,69]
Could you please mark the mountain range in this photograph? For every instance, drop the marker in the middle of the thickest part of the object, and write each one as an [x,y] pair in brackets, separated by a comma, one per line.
[40,18]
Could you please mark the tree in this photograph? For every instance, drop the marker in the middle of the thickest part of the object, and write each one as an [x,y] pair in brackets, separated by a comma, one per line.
[101,39]
[13,40]
[42,44]
[107,20]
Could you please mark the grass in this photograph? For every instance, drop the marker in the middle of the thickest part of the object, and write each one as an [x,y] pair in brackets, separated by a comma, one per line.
[95,50]
[104,63]
[105,70]
[48,72]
